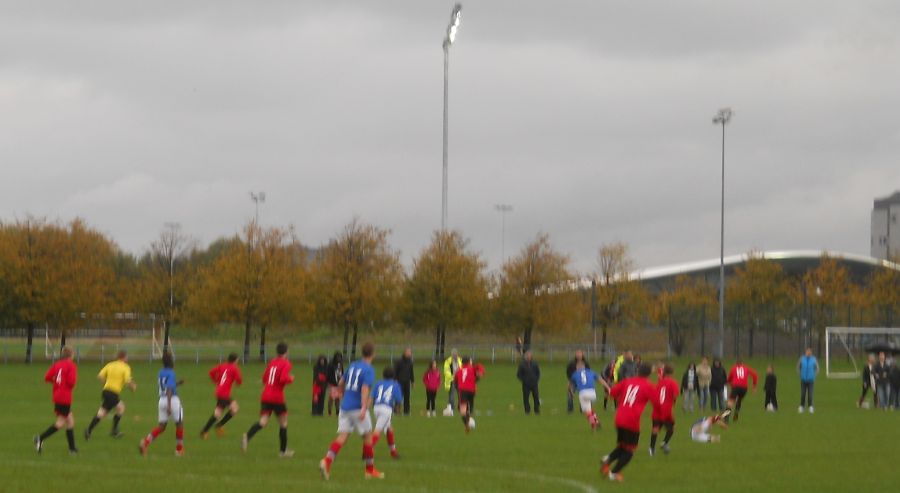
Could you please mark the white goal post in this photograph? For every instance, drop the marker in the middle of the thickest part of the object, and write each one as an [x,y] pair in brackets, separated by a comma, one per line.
[849,344]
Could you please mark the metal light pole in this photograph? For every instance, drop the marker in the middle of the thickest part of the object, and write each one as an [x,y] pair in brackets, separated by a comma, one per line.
[722,118]
[448,41]
[258,198]
[503,209]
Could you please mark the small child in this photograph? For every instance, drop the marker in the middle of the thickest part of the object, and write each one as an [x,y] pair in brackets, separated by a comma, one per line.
[387,396]
[769,387]
[432,380]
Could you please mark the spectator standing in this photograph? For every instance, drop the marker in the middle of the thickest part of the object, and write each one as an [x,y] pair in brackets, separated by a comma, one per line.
[868,382]
[319,385]
[771,387]
[717,386]
[689,385]
[570,370]
[451,365]
[403,372]
[335,390]
[530,374]
[704,375]
[882,383]
[808,368]
[432,381]
[894,377]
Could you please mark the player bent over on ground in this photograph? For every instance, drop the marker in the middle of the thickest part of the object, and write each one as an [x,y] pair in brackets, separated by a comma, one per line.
[358,382]
[666,394]
[169,407]
[275,378]
[63,375]
[223,376]
[583,383]
[631,396]
[700,428]
[116,375]
[388,395]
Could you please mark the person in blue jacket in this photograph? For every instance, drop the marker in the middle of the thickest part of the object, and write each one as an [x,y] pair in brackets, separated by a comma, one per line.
[808,368]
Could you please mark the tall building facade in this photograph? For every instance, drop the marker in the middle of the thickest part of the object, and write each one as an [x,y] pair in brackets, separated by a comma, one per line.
[886,227]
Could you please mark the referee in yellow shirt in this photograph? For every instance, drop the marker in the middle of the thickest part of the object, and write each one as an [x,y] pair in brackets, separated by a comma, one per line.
[115,376]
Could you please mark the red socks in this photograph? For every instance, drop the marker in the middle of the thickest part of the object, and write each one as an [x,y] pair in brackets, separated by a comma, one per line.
[332,452]
[390,437]
[179,439]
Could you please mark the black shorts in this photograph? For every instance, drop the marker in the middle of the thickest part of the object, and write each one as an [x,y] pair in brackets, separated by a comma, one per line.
[739,392]
[659,423]
[62,410]
[110,400]
[223,403]
[467,397]
[627,437]
[267,408]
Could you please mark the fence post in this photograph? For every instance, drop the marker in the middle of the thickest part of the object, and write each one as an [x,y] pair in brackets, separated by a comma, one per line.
[101,354]
[77,355]
[493,355]
[198,355]
[5,355]
[220,356]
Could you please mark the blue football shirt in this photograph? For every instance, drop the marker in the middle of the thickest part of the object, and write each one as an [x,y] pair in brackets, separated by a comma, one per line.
[388,392]
[167,381]
[357,375]
[584,379]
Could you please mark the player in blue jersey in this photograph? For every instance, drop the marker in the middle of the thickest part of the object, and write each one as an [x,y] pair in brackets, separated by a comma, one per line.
[169,407]
[584,382]
[388,395]
[358,381]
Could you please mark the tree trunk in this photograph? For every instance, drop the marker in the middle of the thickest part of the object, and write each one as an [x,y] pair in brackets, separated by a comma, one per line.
[443,340]
[526,338]
[750,342]
[346,336]
[62,339]
[438,354]
[247,325]
[603,340]
[166,336]
[353,346]
[703,331]
[262,343]
[29,342]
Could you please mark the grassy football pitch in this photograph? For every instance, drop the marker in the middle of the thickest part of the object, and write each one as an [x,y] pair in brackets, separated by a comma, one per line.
[840,448]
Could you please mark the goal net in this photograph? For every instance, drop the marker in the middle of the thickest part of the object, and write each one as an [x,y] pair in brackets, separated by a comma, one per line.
[846,348]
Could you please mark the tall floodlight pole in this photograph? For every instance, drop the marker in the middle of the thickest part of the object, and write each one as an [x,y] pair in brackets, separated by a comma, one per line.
[448,41]
[258,198]
[503,209]
[722,118]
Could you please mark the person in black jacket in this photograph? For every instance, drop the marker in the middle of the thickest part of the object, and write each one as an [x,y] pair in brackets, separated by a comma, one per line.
[717,386]
[403,372]
[894,377]
[319,385]
[771,388]
[529,374]
[690,382]
[570,370]
[868,382]
[335,373]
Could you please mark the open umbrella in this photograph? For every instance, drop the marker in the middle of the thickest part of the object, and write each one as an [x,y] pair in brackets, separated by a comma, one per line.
[883,347]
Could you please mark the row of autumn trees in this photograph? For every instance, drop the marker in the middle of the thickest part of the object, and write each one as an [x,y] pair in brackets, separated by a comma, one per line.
[69,276]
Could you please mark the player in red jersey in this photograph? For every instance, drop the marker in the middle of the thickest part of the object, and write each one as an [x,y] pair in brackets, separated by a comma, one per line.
[277,375]
[631,395]
[666,394]
[738,378]
[223,376]
[63,375]
[466,377]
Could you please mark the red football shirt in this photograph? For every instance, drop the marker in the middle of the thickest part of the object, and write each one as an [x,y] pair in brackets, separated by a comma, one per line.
[739,375]
[63,375]
[224,376]
[666,394]
[465,379]
[632,395]
[276,376]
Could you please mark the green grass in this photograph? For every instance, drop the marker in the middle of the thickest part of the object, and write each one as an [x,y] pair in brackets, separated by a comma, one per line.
[840,448]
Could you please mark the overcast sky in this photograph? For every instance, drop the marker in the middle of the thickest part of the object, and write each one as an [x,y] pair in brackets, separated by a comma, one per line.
[591,118]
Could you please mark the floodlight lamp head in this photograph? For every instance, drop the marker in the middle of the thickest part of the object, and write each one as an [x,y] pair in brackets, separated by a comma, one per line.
[453,27]
[723,116]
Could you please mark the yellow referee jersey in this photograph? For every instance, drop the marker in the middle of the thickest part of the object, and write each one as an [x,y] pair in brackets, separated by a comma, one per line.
[116,374]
